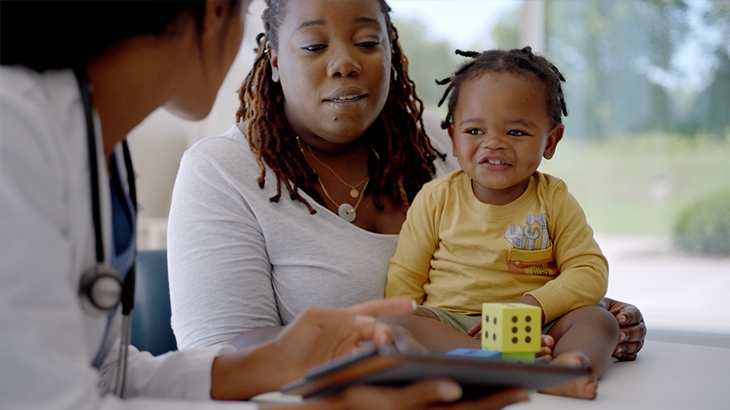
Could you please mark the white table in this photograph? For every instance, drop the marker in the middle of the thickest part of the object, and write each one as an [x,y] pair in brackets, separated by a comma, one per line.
[664,376]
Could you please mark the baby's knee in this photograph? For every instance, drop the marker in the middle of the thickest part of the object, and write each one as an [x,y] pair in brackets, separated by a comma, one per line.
[599,317]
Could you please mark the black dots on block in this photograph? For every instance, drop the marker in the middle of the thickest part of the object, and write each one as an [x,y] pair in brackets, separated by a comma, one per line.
[514,319]
[514,329]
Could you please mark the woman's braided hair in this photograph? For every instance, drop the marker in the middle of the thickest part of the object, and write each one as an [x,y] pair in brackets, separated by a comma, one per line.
[404,155]
[517,61]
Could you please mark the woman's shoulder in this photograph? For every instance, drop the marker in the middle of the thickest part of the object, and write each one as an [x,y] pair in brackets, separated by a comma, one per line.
[441,141]
[233,138]
[225,150]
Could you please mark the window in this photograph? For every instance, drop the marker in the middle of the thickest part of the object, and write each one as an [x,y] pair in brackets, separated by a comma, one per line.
[647,136]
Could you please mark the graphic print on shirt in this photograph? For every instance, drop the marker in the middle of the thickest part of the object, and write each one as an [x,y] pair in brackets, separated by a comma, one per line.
[532,251]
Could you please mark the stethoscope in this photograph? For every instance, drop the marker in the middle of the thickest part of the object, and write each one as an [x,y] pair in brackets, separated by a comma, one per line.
[102,288]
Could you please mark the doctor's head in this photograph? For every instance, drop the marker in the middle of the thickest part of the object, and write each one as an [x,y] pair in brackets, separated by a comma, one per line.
[59,35]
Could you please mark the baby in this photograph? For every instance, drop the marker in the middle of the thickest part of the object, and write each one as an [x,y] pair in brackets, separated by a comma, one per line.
[500,231]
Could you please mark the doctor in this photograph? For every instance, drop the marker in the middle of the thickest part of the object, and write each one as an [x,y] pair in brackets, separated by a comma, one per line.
[76,77]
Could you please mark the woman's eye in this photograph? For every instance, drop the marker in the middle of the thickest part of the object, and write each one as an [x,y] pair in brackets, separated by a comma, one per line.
[515,133]
[314,47]
[368,44]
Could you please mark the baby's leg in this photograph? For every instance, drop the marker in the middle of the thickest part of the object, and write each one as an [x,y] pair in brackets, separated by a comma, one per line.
[584,336]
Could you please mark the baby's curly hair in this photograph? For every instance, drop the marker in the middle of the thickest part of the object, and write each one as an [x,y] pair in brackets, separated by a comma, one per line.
[402,157]
[516,61]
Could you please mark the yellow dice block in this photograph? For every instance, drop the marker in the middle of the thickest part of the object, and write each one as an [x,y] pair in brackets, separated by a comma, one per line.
[511,327]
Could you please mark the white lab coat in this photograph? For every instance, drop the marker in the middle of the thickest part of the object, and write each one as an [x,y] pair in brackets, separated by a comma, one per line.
[47,341]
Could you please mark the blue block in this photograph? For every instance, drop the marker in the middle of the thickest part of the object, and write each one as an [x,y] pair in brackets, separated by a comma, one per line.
[483,354]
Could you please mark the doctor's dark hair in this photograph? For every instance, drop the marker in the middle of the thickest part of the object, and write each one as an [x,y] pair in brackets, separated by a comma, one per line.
[45,35]
[402,157]
[517,61]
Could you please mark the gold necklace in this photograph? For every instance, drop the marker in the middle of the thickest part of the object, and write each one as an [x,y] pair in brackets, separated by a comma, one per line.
[354,193]
[345,210]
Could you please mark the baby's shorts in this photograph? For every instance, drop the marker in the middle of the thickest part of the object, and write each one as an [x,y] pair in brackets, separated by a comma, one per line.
[462,322]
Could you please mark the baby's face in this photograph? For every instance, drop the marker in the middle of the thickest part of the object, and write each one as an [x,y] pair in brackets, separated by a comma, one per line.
[501,132]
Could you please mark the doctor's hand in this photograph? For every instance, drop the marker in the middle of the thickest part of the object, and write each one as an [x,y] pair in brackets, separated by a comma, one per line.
[315,336]
[632,329]
[319,335]
[429,394]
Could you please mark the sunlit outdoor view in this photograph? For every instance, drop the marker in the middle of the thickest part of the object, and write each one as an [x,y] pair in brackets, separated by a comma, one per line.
[646,149]
[647,143]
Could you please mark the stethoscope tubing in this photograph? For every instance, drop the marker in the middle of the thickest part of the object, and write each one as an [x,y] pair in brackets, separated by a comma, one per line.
[128,283]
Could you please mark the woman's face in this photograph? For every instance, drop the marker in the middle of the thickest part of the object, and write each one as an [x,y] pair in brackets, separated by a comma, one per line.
[333,62]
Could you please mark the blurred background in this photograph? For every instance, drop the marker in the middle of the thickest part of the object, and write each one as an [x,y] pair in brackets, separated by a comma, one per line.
[646,149]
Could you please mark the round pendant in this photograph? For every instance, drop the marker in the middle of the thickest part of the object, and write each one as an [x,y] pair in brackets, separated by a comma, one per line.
[346,212]
[354,193]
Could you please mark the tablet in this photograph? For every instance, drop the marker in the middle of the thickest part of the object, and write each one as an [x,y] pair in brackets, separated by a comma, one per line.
[477,376]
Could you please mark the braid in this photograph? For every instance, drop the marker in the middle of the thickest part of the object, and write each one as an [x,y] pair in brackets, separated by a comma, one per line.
[517,61]
[262,105]
[406,150]
[402,159]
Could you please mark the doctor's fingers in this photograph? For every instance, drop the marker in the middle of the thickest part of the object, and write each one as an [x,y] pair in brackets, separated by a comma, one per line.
[428,394]
[383,307]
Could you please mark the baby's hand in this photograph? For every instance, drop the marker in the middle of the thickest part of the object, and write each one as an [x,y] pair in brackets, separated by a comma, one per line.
[475,328]
[547,343]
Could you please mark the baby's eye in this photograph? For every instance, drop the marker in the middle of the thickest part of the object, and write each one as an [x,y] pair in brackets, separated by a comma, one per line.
[474,131]
[368,44]
[515,133]
[314,47]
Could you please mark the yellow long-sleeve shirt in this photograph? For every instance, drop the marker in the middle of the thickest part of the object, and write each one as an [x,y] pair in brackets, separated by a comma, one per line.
[455,252]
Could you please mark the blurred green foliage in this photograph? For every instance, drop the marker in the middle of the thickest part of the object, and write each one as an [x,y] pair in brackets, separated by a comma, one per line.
[704,226]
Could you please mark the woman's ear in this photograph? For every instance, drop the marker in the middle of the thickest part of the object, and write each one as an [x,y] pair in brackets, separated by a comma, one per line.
[274,61]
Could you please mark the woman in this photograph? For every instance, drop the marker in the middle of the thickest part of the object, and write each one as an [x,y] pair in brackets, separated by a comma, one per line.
[329,114]
[76,78]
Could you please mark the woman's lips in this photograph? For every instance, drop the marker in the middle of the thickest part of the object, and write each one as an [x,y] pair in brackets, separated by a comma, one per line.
[346,98]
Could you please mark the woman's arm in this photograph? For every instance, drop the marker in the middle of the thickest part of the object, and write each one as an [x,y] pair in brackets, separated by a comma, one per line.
[219,270]
[255,337]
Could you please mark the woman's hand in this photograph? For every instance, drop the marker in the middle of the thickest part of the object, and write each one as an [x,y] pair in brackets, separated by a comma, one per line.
[429,394]
[632,328]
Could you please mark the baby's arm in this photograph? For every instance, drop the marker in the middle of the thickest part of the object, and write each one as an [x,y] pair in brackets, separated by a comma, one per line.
[409,267]
[583,278]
